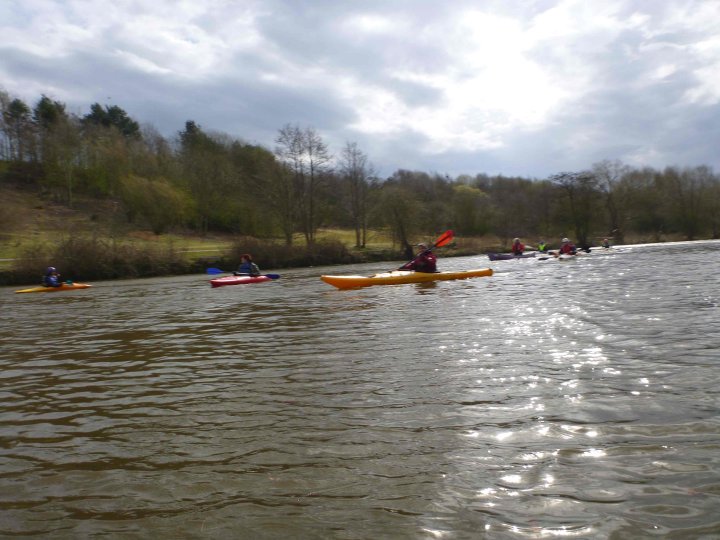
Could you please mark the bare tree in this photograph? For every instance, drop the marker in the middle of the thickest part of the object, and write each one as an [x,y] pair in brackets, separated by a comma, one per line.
[307,157]
[609,175]
[357,175]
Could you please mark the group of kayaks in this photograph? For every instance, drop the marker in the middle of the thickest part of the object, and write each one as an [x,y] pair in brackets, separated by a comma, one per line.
[541,255]
[394,277]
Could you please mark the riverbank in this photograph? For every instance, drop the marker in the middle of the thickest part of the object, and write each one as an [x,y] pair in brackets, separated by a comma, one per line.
[94,241]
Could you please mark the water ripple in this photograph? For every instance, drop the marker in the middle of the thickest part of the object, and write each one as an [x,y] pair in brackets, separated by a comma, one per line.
[570,399]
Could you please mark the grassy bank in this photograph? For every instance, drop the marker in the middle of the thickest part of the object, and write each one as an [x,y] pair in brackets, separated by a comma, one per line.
[92,241]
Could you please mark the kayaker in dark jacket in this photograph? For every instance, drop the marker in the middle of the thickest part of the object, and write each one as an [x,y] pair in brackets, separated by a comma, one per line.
[247,266]
[51,278]
[424,262]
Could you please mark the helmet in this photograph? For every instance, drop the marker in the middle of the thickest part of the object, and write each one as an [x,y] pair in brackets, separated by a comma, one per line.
[516,240]
[424,246]
[565,240]
[50,270]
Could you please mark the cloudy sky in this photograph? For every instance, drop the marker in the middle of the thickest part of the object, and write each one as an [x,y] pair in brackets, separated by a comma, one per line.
[513,87]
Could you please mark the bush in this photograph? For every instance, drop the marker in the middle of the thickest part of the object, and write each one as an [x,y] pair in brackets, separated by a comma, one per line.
[278,255]
[88,258]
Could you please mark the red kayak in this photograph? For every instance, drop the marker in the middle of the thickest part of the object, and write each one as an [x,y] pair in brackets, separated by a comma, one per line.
[238,280]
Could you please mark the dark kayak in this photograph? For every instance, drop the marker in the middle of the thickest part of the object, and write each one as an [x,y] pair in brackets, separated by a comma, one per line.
[509,256]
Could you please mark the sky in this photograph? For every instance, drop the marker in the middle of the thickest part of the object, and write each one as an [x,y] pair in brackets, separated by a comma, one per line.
[524,88]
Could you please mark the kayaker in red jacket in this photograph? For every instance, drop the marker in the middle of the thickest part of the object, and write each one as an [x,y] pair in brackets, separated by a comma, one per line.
[517,247]
[424,262]
[567,248]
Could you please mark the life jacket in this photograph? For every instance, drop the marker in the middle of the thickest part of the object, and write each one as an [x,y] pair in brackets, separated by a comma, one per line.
[542,246]
[248,268]
[518,248]
[50,281]
[425,262]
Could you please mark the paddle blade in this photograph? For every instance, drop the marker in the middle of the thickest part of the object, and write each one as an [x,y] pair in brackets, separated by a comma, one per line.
[215,271]
[444,239]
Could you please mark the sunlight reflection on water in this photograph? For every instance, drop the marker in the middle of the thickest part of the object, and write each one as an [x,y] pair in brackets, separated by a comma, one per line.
[553,399]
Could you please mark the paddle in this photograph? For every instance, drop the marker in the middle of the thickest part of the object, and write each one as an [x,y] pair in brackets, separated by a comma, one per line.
[444,239]
[213,271]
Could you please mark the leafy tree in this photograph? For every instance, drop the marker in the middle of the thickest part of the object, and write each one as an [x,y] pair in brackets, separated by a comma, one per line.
[581,190]
[686,196]
[17,126]
[397,208]
[112,117]
[107,158]
[157,201]
[62,153]
[205,168]
[644,199]
[469,210]
[513,206]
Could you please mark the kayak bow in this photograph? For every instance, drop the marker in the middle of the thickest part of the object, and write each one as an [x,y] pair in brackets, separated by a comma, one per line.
[397,277]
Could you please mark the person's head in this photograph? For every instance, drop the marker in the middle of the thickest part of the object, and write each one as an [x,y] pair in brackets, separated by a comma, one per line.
[246,257]
[422,246]
[565,240]
[516,241]
[50,271]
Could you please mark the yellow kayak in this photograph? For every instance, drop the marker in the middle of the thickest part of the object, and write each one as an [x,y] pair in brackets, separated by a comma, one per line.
[63,287]
[397,277]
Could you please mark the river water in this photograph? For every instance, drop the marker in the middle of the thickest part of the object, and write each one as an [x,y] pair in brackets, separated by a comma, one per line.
[554,399]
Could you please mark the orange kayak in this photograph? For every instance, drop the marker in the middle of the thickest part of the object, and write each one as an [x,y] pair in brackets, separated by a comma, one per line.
[397,277]
[63,287]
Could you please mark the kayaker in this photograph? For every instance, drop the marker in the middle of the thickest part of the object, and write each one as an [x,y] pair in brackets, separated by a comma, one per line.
[518,247]
[51,277]
[424,262]
[605,243]
[542,246]
[567,248]
[247,266]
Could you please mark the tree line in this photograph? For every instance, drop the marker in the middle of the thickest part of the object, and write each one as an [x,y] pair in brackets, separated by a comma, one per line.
[205,181]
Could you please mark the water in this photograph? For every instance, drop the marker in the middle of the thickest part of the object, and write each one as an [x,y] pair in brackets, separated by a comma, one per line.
[554,399]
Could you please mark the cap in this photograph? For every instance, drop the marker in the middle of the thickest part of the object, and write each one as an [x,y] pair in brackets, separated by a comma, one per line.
[422,245]
[565,240]
[516,240]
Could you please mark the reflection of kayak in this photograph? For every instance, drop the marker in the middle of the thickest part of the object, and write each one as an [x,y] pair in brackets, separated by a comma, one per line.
[238,280]
[397,277]
[63,287]
[509,256]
